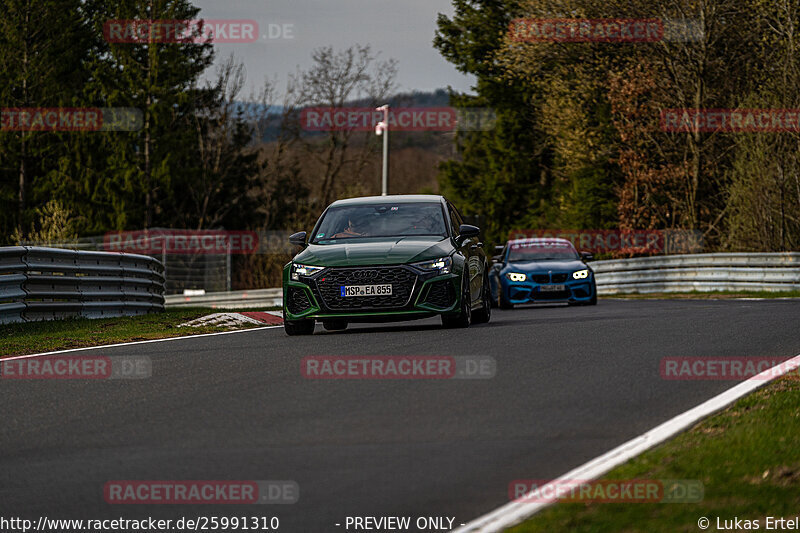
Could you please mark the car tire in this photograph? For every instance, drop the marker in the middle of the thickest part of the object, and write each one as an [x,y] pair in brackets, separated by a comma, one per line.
[504,304]
[297,327]
[464,317]
[593,299]
[334,325]
[484,314]
[590,301]
[491,294]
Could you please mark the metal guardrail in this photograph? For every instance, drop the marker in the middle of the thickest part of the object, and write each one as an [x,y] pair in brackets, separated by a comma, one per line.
[699,272]
[671,273]
[38,283]
[229,300]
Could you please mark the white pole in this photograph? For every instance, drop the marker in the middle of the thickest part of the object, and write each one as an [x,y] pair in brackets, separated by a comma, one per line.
[383,129]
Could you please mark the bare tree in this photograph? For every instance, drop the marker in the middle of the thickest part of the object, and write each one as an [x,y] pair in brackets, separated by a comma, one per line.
[334,80]
[225,179]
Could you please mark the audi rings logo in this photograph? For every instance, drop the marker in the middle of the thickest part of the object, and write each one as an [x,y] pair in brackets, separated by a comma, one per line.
[365,274]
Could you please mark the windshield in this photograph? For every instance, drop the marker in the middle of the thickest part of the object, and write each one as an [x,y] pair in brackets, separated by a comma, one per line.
[381,220]
[541,251]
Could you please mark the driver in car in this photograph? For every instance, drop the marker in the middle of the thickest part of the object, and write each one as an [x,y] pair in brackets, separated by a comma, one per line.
[350,231]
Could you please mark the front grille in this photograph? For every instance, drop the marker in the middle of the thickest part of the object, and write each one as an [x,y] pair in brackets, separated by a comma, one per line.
[441,294]
[298,300]
[549,278]
[329,287]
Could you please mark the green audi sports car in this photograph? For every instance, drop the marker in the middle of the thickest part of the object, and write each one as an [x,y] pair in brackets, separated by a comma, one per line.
[386,258]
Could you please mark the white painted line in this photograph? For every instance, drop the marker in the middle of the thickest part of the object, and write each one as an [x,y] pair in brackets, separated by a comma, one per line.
[102,346]
[518,510]
[763,299]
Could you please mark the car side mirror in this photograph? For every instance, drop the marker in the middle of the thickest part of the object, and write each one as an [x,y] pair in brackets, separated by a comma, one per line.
[468,231]
[497,258]
[298,238]
[587,256]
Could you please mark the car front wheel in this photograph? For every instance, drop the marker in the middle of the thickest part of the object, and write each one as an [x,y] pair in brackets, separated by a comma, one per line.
[504,304]
[484,314]
[590,301]
[334,325]
[464,317]
[593,300]
[297,327]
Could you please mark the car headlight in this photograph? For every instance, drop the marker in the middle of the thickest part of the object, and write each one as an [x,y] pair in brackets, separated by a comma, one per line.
[581,274]
[304,270]
[441,265]
[516,276]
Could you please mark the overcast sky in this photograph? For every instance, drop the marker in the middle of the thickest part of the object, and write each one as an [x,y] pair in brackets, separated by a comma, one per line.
[399,29]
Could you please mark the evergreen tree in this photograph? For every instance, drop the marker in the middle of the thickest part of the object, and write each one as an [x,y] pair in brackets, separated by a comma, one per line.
[44,44]
[502,173]
[158,78]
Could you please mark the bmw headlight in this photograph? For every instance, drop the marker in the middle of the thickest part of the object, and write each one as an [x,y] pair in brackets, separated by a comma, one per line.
[441,265]
[516,276]
[304,270]
[581,274]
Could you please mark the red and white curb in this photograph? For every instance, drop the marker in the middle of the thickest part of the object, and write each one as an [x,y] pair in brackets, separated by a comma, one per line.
[235,320]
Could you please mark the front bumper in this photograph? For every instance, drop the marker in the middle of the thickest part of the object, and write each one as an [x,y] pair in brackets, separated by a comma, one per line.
[522,292]
[416,294]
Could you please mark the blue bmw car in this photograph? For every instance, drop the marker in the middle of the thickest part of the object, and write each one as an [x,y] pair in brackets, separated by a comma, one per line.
[538,270]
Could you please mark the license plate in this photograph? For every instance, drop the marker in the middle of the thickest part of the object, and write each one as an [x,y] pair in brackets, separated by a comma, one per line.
[551,288]
[365,290]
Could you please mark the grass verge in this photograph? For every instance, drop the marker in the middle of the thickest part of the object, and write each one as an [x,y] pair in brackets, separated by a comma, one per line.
[34,337]
[747,457]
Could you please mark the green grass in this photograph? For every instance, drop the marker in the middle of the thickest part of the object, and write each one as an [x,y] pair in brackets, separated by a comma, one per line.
[747,457]
[45,336]
[715,295]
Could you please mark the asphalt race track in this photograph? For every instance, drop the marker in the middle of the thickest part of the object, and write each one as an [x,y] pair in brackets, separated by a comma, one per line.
[571,383]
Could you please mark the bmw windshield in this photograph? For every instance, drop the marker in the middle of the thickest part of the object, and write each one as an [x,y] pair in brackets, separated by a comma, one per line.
[380,220]
[541,251]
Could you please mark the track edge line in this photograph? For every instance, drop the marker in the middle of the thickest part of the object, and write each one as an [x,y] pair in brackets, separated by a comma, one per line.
[516,511]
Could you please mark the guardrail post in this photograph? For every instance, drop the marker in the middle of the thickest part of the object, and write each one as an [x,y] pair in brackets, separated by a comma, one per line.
[164,257]
[228,266]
